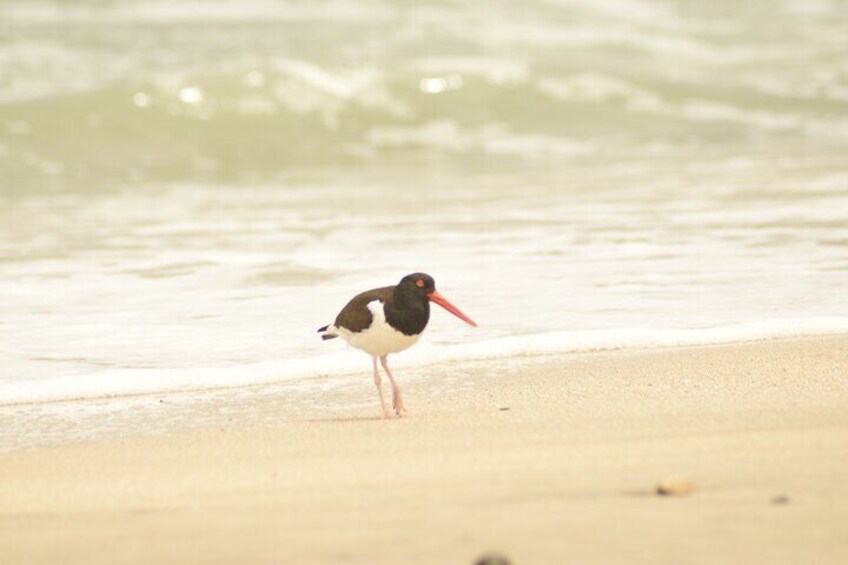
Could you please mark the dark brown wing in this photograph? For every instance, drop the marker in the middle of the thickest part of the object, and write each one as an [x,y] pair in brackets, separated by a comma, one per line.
[356,316]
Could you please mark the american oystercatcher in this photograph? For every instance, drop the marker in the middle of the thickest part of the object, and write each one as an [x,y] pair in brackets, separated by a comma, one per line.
[387,320]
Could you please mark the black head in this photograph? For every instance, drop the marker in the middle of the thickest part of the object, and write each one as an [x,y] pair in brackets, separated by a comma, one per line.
[421,282]
[419,289]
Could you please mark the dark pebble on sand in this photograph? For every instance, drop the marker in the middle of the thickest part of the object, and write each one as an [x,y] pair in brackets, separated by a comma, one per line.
[493,559]
[782,499]
[503,408]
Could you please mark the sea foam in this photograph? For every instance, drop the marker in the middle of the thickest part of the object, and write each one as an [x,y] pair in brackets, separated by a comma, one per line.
[124,382]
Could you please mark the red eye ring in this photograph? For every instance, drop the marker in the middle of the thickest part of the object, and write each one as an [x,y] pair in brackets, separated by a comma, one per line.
[419,283]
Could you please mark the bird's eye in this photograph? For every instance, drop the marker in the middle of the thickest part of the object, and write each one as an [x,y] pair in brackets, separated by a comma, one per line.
[419,283]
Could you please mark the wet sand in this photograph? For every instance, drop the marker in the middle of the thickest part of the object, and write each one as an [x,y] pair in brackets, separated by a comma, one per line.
[548,460]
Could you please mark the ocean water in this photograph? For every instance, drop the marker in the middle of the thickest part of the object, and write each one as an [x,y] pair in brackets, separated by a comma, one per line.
[189,189]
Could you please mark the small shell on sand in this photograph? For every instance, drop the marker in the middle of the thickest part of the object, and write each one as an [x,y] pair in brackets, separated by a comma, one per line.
[675,487]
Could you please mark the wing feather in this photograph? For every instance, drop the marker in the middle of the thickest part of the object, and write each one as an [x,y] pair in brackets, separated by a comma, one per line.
[356,316]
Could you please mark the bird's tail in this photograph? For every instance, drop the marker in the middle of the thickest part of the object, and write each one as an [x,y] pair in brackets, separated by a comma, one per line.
[328,332]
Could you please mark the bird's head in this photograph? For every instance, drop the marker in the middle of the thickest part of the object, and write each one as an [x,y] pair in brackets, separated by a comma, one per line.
[423,284]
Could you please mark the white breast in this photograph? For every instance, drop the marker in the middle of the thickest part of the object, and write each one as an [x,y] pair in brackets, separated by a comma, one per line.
[379,338]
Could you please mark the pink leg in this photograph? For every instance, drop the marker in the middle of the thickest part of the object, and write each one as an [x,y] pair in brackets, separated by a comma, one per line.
[397,399]
[377,381]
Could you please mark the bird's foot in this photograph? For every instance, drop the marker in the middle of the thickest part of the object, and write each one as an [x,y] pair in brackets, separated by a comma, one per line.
[397,404]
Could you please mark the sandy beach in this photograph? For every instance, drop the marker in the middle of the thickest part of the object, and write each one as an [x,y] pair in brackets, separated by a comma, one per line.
[641,204]
[548,460]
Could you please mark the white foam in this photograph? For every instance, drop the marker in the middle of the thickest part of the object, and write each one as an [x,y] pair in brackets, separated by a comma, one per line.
[447,135]
[124,382]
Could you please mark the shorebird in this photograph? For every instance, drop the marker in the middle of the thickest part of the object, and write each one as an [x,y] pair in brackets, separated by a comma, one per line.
[388,320]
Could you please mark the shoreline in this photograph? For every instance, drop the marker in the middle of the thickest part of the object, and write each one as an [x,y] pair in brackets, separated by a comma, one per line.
[546,459]
[442,354]
[170,410]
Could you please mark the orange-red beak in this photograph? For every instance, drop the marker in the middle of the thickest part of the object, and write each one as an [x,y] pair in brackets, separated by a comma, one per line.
[444,303]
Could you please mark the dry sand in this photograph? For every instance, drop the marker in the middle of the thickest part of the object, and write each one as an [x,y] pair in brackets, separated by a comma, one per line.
[549,460]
